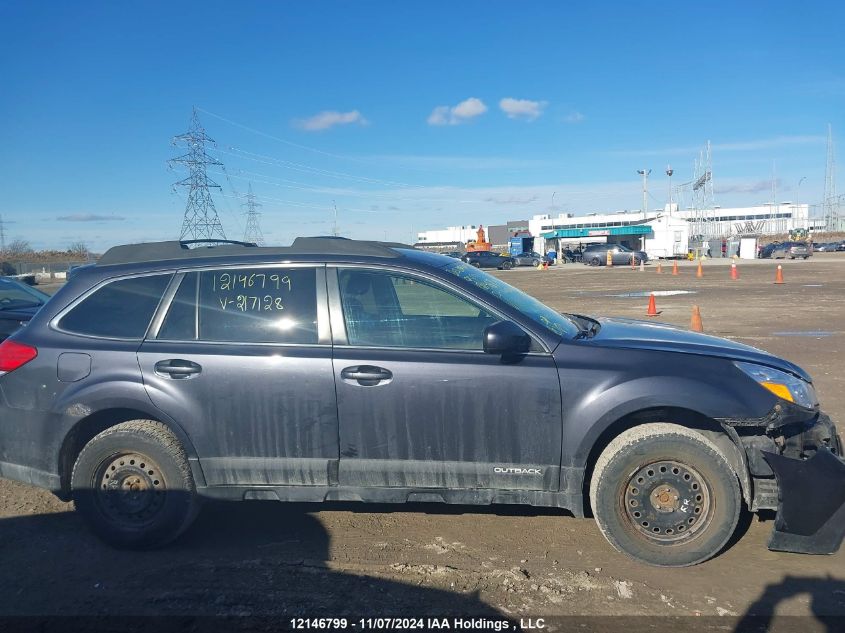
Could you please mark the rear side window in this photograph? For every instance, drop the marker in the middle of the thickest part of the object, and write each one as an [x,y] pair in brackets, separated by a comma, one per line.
[120,309]
[246,305]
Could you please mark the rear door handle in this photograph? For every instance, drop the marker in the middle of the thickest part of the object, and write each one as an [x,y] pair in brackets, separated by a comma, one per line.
[366,375]
[177,368]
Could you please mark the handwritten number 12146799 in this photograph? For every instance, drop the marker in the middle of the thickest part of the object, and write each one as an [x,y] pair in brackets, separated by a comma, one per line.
[255,282]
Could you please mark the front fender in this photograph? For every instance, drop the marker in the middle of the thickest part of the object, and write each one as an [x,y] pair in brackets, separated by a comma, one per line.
[602,407]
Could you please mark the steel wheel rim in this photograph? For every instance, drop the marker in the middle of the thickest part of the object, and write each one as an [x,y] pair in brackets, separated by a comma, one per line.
[130,489]
[667,502]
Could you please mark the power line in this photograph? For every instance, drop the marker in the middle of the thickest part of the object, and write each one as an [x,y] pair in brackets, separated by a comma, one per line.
[200,221]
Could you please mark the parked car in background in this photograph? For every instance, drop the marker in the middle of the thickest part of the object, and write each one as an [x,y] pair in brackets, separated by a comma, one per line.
[841,246]
[488,259]
[18,303]
[530,259]
[596,255]
[786,250]
[830,247]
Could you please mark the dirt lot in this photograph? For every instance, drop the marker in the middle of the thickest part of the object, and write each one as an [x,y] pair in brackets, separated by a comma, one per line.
[279,560]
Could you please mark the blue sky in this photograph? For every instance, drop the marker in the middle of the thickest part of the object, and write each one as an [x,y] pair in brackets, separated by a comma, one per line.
[408,115]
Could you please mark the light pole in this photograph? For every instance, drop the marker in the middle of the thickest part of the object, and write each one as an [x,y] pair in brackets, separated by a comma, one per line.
[669,172]
[644,173]
[798,200]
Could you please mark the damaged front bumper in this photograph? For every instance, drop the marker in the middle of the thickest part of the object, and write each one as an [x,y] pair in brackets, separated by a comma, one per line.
[794,458]
[811,503]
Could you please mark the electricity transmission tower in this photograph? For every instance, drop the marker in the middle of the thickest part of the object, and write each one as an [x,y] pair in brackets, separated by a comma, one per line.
[702,195]
[252,232]
[831,203]
[201,221]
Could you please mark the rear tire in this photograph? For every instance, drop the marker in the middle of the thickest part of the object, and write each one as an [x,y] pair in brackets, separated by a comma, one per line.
[507,265]
[595,261]
[665,495]
[133,485]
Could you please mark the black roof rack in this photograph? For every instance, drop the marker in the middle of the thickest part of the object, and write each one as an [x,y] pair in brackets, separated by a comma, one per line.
[179,250]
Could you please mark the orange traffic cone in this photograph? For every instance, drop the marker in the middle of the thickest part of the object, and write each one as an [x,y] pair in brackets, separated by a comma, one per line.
[779,275]
[609,261]
[700,272]
[734,272]
[659,267]
[545,265]
[695,323]
[675,268]
[652,306]
[633,259]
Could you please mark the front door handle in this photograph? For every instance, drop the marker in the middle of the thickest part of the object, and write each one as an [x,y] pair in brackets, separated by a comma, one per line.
[177,368]
[367,375]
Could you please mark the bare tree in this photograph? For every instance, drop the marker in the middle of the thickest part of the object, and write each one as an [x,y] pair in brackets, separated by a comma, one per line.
[79,249]
[18,248]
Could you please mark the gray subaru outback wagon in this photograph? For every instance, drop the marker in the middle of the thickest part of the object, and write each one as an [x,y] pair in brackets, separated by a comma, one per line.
[343,370]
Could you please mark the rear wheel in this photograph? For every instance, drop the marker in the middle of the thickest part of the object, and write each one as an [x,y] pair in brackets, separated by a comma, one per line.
[595,261]
[476,264]
[133,485]
[665,495]
[507,265]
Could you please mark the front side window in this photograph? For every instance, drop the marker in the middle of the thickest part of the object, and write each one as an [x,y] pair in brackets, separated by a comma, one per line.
[258,305]
[383,309]
[119,309]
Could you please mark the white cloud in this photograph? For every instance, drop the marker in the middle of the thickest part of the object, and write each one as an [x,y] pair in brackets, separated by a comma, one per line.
[461,113]
[329,118]
[574,117]
[522,108]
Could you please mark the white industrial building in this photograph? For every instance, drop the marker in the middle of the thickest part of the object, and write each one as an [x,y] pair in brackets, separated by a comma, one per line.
[461,234]
[667,232]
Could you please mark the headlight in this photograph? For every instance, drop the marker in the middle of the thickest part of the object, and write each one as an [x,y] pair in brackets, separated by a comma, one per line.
[781,384]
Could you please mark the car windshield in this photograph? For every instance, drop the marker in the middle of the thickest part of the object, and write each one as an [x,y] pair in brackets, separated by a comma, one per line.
[527,305]
[14,294]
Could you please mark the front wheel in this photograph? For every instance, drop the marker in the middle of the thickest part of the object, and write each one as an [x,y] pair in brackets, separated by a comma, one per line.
[133,485]
[507,265]
[476,264]
[665,495]
[595,261]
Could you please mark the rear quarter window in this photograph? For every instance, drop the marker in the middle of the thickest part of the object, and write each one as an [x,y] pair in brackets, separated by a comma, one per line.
[119,309]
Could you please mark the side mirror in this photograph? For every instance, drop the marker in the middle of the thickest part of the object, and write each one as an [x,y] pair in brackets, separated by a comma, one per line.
[506,338]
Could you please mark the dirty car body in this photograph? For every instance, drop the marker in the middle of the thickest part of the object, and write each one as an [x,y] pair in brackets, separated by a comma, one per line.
[342,370]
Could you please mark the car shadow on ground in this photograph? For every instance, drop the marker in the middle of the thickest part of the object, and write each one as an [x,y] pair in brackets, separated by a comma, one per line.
[825,597]
[267,560]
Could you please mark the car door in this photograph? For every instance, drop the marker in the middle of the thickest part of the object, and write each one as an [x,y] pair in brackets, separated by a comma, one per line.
[241,359]
[420,405]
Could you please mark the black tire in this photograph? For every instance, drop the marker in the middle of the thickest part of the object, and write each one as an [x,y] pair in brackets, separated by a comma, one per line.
[595,262]
[675,478]
[476,264]
[535,263]
[507,265]
[133,485]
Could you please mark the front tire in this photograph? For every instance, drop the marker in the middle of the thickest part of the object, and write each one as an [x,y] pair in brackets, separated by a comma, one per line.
[595,262]
[133,485]
[665,495]
[507,265]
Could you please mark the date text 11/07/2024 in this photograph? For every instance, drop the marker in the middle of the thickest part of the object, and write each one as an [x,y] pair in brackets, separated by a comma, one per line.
[419,624]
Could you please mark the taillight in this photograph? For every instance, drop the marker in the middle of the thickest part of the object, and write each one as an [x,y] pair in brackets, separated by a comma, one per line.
[14,355]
